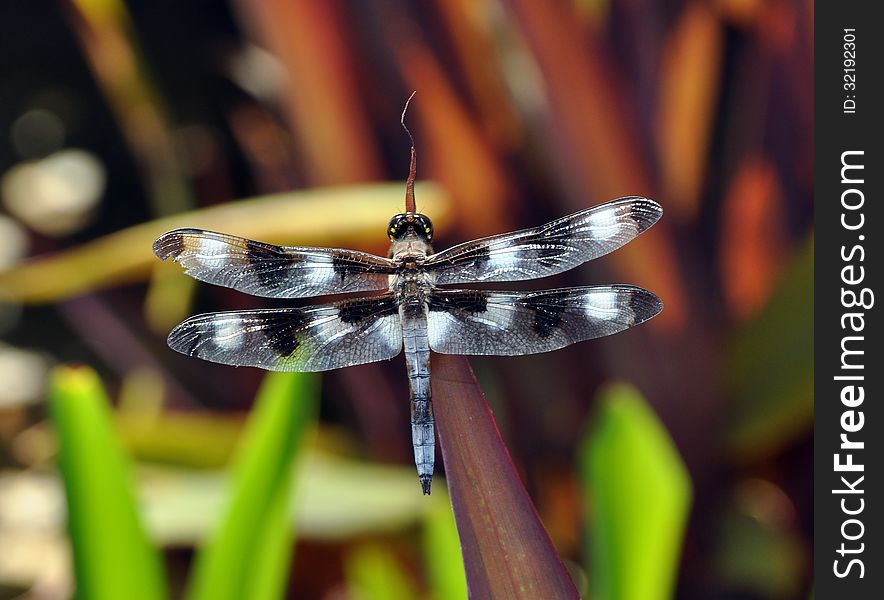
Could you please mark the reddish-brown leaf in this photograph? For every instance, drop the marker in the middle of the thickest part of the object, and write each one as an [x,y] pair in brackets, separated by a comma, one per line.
[592,133]
[690,69]
[506,550]
[752,237]
[457,154]
[317,96]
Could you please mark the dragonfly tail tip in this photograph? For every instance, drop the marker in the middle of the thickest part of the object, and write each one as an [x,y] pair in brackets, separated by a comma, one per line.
[426,482]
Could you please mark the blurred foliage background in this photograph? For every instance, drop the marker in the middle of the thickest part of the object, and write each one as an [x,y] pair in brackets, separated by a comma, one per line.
[278,120]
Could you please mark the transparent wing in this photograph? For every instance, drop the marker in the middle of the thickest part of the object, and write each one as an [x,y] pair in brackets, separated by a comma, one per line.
[511,323]
[552,248]
[313,338]
[274,271]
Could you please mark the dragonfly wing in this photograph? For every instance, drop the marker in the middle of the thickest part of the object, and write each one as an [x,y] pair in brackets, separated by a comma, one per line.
[549,249]
[313,338]
[514,323]
[264,269]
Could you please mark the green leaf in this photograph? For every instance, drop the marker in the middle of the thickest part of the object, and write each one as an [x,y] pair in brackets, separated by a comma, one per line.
[443,559]
[758,556]
[201,440]
[770,371]
[507,552]
[638,494]
[374,573]
[112,556]
[248,554]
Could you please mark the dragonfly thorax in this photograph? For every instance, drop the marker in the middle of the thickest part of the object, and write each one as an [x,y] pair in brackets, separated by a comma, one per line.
[412,283]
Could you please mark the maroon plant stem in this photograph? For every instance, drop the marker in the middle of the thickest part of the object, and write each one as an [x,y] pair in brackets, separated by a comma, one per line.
[507,552]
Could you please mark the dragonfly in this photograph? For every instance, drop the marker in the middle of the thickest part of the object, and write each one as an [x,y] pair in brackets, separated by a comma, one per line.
[410,306]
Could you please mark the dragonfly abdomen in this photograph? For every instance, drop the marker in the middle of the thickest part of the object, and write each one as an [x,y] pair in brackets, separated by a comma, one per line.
[417,362]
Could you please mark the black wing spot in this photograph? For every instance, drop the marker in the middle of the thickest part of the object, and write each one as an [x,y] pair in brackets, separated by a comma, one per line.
[546,319]
[285,337]
[468,302]
[268,264]
[547,313]
[354,311]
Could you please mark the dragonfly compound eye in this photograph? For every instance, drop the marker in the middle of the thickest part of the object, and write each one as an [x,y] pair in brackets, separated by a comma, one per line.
[424,227]
[397,228]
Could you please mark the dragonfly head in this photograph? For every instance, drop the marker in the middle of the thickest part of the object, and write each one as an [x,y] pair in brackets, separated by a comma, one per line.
[410,223]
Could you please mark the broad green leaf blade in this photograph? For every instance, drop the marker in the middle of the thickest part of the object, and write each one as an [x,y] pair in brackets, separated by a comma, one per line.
[247,555]
[273,550]
[443,560]
[112,556]
[507,552]
[638,493]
